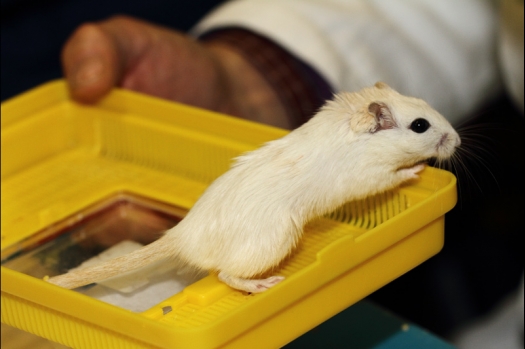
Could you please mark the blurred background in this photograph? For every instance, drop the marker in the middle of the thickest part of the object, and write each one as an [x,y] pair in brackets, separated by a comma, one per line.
[482,261]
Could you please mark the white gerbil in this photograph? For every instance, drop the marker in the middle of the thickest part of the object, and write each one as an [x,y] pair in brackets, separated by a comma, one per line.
[252,217]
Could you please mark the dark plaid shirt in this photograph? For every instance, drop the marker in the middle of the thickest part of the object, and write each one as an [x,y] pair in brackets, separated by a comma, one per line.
[301,89]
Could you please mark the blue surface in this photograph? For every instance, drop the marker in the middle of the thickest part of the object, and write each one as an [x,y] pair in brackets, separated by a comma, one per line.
[413,338]
[367,326]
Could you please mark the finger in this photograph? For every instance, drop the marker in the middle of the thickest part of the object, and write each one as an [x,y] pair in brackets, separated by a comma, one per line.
[90,62]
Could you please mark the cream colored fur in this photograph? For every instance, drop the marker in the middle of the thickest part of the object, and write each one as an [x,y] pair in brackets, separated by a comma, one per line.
[252,217]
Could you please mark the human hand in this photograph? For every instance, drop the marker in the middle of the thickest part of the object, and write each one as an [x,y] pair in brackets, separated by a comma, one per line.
[140,56]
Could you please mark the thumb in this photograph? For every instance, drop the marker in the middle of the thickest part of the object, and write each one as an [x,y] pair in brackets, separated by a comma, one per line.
[91,63]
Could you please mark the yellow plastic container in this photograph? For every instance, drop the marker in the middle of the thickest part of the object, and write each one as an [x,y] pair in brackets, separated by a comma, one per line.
[60,157]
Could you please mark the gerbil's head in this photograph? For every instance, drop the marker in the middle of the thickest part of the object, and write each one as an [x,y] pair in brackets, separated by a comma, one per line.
[406,129]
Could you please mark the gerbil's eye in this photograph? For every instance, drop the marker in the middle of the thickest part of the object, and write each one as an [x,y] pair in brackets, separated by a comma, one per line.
[419,125]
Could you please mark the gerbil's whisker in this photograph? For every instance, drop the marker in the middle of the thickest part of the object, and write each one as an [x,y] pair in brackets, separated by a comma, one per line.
[476,154]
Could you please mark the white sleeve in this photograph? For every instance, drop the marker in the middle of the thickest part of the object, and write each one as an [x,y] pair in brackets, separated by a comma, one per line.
[442,51]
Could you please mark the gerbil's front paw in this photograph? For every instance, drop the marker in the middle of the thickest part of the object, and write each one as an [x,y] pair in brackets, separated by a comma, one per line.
[250,285]
[411,172]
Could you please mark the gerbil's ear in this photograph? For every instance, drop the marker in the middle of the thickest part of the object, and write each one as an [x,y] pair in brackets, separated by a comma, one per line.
[382,85]
[383,116]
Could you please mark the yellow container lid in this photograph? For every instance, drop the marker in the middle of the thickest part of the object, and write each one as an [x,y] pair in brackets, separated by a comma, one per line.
[60,157]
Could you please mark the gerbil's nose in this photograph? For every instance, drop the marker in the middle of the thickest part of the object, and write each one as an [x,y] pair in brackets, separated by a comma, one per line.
[458,141]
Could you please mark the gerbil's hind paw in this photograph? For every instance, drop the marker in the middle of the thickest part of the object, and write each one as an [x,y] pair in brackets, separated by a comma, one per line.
[250,285]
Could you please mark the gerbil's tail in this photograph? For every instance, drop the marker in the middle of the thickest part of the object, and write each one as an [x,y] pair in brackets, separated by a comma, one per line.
[153,252]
